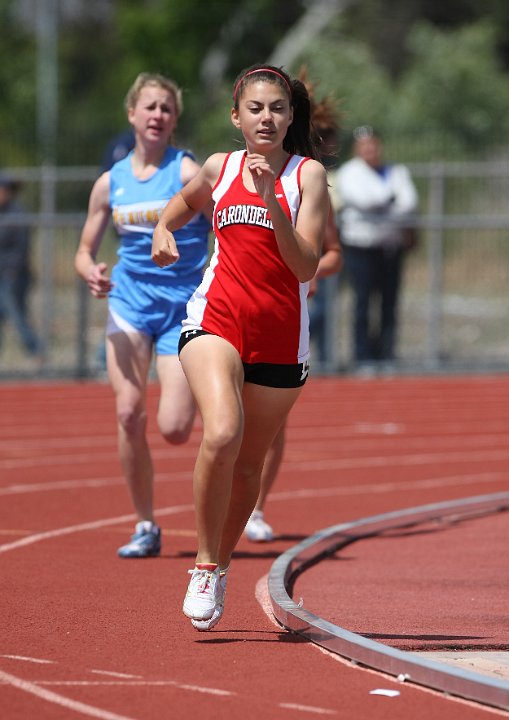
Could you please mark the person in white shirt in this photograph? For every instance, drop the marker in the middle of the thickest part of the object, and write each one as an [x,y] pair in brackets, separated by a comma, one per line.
[378,205]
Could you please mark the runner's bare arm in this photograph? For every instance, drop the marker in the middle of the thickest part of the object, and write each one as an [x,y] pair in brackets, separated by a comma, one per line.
[194,197]
[98,216]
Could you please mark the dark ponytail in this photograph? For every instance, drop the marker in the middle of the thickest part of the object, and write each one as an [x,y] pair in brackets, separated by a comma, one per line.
[299,138]
[325,121]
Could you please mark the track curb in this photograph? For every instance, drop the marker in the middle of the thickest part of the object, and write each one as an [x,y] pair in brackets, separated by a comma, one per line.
[363,651]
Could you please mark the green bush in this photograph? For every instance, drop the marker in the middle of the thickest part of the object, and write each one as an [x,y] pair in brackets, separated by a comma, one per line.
[449,102]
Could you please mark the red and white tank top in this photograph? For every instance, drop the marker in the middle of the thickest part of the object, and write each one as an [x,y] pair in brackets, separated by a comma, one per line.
[248,295]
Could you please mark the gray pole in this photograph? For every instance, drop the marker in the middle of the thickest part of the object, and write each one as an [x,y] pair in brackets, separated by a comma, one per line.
[47,79]
[47,111]
[435,264]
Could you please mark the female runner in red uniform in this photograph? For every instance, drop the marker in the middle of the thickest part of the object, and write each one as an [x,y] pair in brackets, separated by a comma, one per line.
[245,342]
[325,121]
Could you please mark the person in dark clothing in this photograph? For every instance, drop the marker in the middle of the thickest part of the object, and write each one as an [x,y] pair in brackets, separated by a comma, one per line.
[117,149]
[15,271]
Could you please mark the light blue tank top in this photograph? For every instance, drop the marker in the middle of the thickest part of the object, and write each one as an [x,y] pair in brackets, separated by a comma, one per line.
[136,206]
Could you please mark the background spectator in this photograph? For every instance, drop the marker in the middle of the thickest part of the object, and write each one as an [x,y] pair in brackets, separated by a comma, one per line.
[15,271]
[118,148]
[378,205]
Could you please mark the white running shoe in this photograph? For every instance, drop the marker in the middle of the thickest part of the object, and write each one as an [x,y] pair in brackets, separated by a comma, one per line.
[203,625]
[202,594]
[257,530]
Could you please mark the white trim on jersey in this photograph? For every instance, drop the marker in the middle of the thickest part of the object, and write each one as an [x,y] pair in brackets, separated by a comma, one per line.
[231,171]
[198,301]
[290,177]
[291,187]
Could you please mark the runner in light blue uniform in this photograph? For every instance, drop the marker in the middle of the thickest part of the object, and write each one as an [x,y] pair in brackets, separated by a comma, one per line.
[146,304]
[150,299]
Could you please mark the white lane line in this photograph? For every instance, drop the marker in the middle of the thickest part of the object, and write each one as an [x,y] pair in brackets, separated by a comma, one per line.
[84,458]
[307,708]
[30,440]
[29,659]
[306,465]
[59,532]
[60,485]
[210,691]
[412,460]
[86,482]
[57,699]
[134,683]
[370,488]
[186,476]
[102,683]
[366,432]
[110,673]
[282,496]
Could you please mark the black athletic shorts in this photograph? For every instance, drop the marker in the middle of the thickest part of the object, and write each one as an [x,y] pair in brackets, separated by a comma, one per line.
[267,374]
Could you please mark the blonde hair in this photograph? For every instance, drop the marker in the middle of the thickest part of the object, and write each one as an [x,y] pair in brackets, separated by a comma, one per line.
[157,80]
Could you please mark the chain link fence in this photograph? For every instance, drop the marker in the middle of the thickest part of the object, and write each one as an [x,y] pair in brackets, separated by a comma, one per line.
[454,308]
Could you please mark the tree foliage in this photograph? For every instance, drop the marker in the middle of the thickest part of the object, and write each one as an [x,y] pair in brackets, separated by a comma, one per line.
[449,101]
[17,90]
[454,87]
[416,69]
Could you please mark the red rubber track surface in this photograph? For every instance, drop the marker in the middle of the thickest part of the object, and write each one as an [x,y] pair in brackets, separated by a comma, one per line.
[425,599]
[87,634]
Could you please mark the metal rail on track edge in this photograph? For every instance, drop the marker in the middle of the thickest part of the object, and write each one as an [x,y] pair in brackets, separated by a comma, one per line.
[364,651]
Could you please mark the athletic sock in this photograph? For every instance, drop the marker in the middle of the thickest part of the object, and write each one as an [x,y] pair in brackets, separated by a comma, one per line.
[206,566]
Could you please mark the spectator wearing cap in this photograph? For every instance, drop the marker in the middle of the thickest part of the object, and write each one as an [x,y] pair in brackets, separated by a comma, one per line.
[378,203]
[15,272]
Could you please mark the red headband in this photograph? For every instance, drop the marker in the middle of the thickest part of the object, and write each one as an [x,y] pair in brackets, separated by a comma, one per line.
[267,70]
